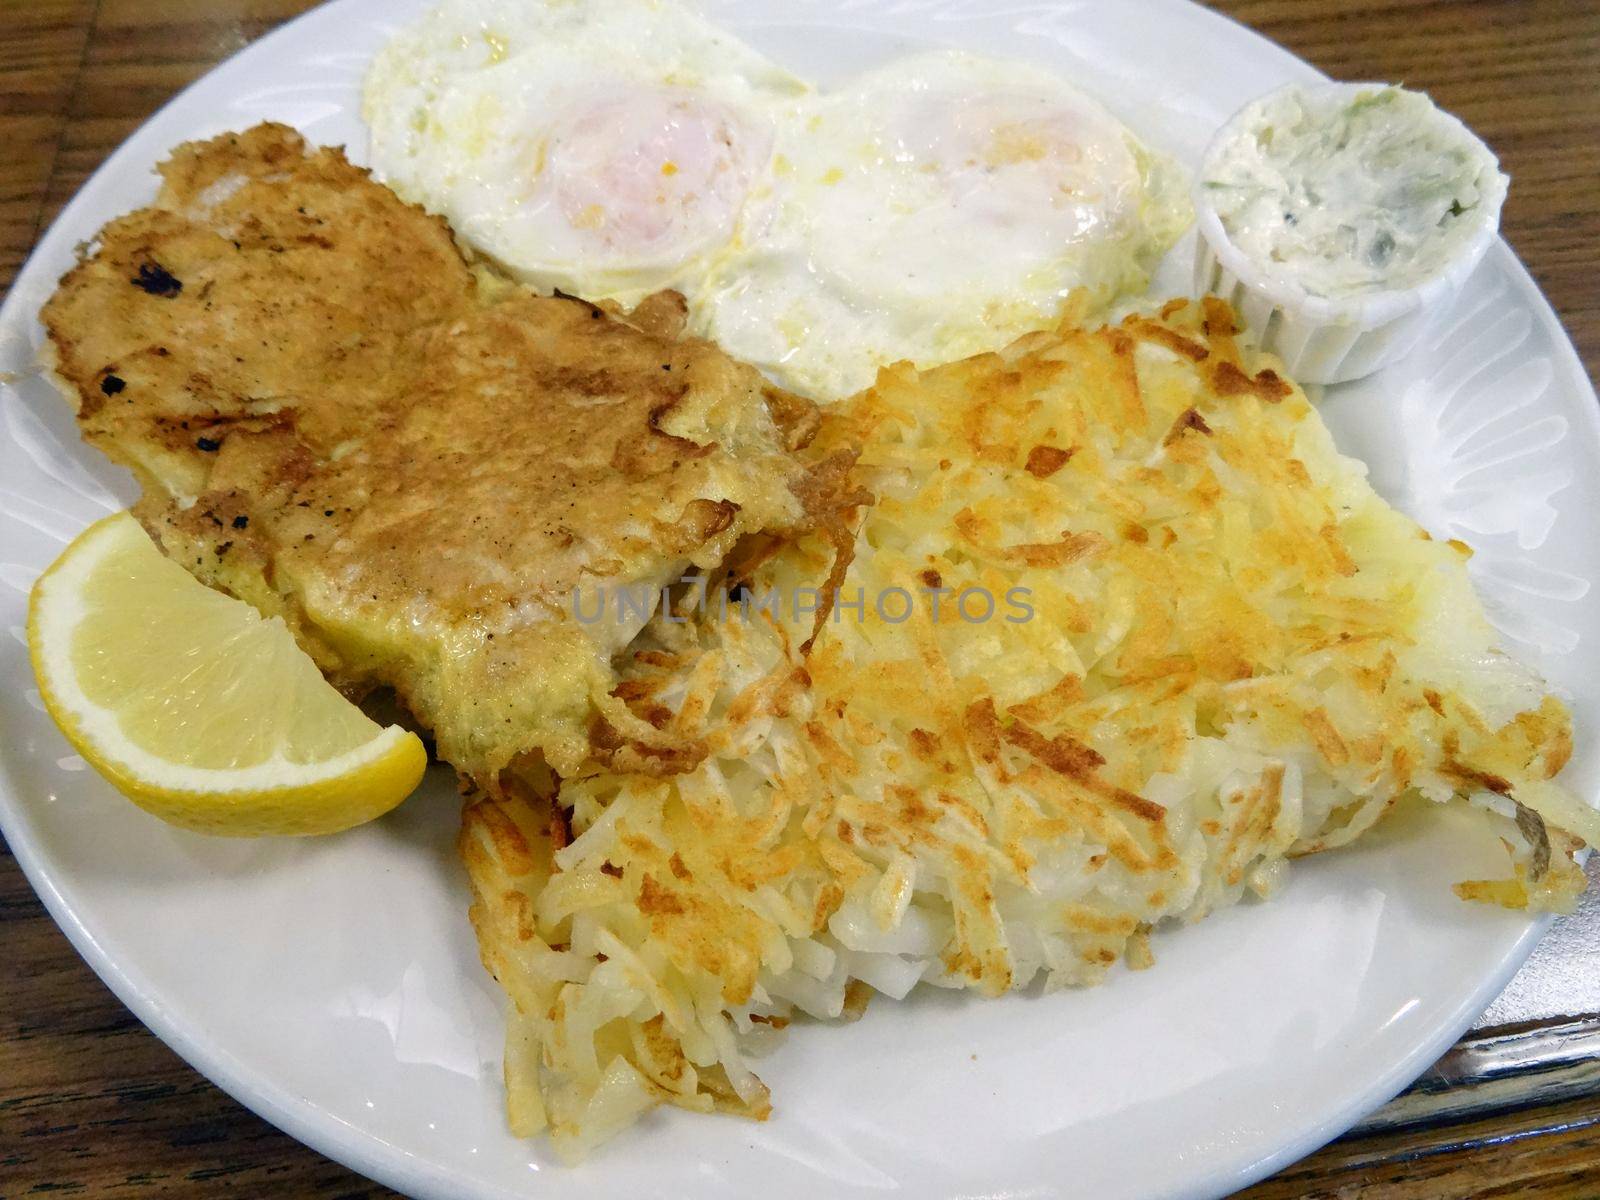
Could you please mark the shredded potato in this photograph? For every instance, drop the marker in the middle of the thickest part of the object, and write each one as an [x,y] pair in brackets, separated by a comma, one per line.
[1237,654]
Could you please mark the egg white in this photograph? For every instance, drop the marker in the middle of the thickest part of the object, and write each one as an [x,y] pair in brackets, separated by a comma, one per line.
[935,208]
[604,148]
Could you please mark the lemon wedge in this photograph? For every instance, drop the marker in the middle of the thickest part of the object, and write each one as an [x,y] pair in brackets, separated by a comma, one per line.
[196,707]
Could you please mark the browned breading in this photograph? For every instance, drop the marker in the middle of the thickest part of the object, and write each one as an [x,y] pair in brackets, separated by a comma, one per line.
[336,420]
[267,288]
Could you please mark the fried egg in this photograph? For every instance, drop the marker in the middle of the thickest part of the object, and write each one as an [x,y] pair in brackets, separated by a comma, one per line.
[934,208]
[605,148]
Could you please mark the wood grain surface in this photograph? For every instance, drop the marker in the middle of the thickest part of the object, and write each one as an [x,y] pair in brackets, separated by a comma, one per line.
[93,1105]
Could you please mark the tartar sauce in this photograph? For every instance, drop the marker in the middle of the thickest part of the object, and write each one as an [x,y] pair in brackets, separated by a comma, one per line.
[1347,194]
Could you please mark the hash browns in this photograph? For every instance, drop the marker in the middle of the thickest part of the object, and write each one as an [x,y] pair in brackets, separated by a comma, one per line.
[1238,654]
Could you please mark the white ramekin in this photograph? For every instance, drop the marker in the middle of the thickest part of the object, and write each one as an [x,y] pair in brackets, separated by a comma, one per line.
[1321,339]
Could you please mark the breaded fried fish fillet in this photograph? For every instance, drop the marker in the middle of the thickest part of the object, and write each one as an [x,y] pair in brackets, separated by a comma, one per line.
[1122,634]
[336,420]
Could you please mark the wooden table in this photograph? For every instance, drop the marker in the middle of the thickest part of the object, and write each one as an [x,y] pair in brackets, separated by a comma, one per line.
[93,1105]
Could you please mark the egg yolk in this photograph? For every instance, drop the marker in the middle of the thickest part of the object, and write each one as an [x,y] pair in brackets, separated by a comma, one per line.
[650,174]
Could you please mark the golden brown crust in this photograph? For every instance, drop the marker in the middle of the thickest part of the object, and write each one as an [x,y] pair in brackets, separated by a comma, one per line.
[1236,652]
[268,285]
[335,419]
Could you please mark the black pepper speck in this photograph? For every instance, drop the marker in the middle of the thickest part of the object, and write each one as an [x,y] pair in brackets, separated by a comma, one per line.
[157,280]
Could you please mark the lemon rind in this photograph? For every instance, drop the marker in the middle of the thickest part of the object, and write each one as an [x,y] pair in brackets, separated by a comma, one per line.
[368,779]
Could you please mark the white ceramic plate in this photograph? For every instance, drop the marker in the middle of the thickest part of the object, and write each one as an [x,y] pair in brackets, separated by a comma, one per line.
[333,985]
